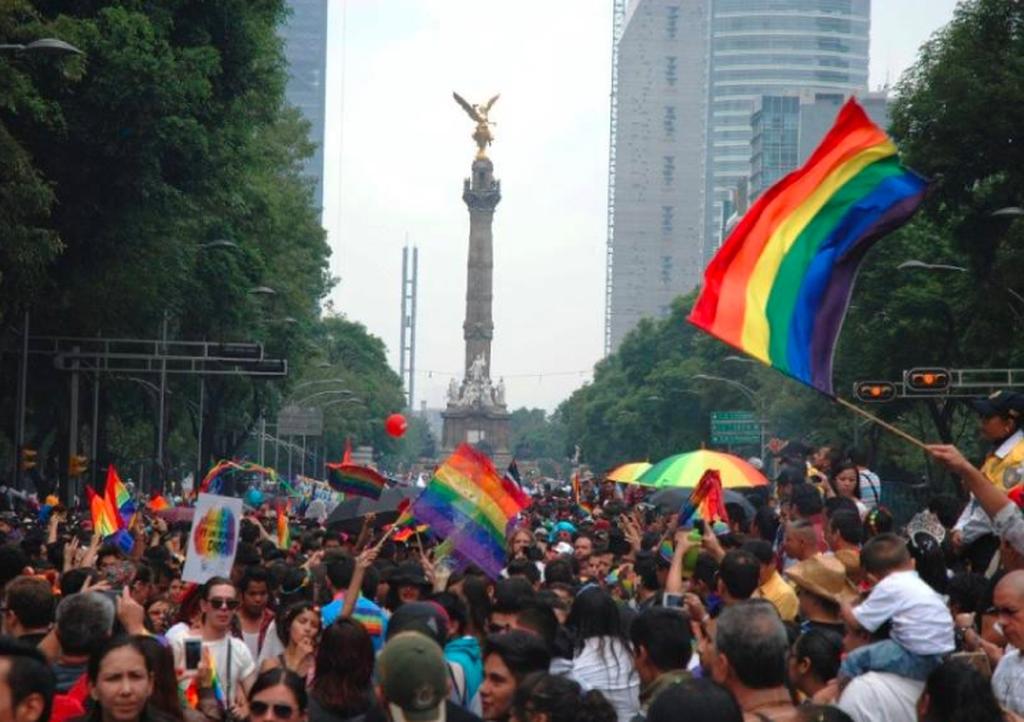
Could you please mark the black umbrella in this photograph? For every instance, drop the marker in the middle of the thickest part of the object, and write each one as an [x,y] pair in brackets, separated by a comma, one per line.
[348,515]
[673,498]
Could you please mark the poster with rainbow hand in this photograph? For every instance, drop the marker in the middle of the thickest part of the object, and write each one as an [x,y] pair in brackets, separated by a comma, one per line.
[213,539]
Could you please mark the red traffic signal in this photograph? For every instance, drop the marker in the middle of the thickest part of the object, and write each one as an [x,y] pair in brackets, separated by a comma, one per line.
[874,391]
[928,379]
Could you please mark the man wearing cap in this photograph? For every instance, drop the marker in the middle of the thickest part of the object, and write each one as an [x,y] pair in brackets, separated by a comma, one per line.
[821,585]
[974,533]
[412,679]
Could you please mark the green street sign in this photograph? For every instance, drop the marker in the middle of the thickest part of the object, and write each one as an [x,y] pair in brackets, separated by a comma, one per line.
[735,428]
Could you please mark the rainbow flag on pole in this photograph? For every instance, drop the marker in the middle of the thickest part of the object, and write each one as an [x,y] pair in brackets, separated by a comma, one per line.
[469,505]
[779,287]
[354,479]
[104,518]
[118,497]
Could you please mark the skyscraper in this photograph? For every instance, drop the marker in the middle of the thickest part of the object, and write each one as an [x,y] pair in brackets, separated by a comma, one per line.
[305,38]
[659,143]
[773,47]
[688,75]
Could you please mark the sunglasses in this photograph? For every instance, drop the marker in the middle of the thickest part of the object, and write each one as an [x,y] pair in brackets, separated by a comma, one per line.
[280,711]
[221,603]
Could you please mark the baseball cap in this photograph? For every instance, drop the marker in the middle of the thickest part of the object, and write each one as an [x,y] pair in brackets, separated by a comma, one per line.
[413,678]
[1001,403]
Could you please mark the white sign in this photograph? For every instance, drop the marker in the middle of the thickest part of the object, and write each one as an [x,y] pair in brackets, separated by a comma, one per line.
[213,538]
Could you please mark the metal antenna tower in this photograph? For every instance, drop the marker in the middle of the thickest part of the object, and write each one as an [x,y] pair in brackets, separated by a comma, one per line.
[618,20]
[407,344]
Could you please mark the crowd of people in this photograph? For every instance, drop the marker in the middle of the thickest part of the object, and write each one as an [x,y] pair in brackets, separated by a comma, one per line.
[810,604]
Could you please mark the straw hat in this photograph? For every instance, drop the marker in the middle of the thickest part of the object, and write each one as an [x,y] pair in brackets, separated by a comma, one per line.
[824,576]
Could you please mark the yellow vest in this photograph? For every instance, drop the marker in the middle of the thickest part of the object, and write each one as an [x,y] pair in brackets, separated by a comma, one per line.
[1008,471]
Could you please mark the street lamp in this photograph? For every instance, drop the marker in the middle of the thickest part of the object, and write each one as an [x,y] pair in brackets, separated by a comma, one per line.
[262,291]
[43,46]
[1008,211]
[914,263]
[741,359]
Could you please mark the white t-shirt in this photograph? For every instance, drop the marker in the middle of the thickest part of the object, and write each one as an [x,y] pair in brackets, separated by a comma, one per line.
[881,697]
[1008,681]
[241,667]
[921,622]
[612,673]
[271,644]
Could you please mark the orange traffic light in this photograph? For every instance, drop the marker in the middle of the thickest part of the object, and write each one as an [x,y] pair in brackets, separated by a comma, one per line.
[928,379]
[77,465]
[28,459]
[874,391]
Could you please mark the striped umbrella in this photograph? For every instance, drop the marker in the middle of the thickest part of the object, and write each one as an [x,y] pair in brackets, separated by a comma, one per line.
[628,473]
[687,469]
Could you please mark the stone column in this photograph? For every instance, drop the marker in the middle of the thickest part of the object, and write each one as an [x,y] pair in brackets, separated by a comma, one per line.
[481,194]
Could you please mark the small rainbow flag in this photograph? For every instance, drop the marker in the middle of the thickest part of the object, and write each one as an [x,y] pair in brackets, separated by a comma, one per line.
[356,480]
[706,500]
[284,532]
[213,482]
[104,518]
[470,505]
[779,287]
[119,498]
[192,690]
[405,533]
[158,503]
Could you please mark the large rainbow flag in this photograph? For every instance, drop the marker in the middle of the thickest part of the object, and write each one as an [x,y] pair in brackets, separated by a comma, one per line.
[779,287]
[469,505]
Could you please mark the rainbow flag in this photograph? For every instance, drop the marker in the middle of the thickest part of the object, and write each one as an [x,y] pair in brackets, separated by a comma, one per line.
[346,457]
[104,518]
[408,531]
[118,497]
[213,482]
[192,690]
[354,479]
[779,286]
[470,505]
[284,532]
[706,500]
[158,503]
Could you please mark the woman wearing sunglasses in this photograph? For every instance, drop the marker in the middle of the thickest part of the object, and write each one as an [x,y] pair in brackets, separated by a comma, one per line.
[278,694]
[229,656]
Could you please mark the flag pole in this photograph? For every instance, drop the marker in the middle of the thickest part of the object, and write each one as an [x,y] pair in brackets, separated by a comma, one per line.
[885,425]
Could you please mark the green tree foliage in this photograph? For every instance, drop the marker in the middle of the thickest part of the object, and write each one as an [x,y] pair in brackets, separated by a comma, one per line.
[535,435]
[156,179]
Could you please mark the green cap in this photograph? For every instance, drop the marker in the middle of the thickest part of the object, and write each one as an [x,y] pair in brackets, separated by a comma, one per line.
[413,678]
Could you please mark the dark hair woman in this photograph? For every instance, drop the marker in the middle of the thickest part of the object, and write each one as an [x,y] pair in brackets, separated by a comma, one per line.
[298,628]
[121,682]
[342,688]
[278,694]
[957,692]
[543,697]
[601,656]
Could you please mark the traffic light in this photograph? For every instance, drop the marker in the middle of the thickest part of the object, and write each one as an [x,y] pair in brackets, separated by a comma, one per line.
[77,465]
[28,459]
[874,391]
[926,379]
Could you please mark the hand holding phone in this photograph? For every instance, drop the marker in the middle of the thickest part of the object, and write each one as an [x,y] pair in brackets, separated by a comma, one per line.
[193,653]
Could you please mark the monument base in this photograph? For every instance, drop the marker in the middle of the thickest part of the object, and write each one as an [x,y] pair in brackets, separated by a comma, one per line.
[484,428]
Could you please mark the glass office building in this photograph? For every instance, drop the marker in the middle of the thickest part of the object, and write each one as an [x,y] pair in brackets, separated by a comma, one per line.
[776,48]
[305,38]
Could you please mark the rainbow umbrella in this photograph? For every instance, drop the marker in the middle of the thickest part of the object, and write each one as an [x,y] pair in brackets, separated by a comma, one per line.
[628,473]
[686,470]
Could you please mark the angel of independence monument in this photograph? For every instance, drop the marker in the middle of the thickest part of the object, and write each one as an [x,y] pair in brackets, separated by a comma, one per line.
[476,410]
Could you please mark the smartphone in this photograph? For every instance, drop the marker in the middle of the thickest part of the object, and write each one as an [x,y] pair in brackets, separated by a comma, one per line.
[672,600]
[193,653]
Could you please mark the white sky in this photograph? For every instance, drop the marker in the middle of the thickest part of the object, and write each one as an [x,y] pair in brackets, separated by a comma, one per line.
[397,148]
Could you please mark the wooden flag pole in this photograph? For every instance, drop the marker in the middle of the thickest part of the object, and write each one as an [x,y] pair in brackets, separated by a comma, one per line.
[887,426]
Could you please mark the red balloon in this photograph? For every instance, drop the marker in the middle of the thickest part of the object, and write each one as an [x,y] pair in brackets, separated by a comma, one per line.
[396,425]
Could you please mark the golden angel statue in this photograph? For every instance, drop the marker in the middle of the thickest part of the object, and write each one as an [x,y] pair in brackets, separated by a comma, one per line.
[482,135]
